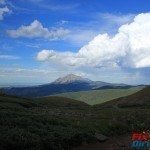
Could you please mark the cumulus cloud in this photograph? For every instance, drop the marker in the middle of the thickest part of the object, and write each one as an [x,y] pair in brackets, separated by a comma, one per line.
[3,11]
[68,58]
[129,47]
[36,30]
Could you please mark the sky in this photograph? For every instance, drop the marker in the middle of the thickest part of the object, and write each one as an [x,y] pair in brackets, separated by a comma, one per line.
[107,40]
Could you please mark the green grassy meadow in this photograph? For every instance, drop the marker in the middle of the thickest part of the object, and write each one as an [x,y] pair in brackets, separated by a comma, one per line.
[99,96]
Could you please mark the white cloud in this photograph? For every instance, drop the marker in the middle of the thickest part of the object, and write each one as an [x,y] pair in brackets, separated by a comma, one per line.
[68,58]
[4,11]
[36,30]
[44,54]
[130,47]
[9,57]
[117,18]
[52,6]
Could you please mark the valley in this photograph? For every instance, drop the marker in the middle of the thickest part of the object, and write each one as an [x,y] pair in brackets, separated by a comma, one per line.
[74,75]
[93,97]
[63,123]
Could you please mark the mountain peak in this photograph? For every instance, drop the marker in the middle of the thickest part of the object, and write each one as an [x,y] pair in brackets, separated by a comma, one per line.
[70,78]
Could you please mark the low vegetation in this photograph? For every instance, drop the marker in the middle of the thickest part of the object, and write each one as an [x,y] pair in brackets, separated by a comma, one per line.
[57,123]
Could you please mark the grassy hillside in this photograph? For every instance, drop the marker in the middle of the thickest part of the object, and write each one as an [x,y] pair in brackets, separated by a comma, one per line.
[55,101]
[99,96]
[57,123]
[139,99]
[14,101]
[40,125]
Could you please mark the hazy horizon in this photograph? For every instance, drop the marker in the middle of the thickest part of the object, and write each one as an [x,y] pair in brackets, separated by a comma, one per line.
[26,84]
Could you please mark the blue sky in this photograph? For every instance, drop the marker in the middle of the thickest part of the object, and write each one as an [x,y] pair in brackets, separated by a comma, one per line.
[45,39]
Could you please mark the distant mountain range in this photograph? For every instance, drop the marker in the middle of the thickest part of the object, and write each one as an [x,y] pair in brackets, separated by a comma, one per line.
[69,83]
[114,87]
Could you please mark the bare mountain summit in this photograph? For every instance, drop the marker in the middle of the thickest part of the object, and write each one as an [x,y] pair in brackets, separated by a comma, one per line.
[69,83]
[70,78]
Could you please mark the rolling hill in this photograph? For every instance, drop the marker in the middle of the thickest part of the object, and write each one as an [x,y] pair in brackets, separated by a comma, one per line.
[139,99]
[93,97]
[62,123]
[51,102]
[41,124]
[57,102]
[16,102]
[114,87]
